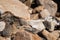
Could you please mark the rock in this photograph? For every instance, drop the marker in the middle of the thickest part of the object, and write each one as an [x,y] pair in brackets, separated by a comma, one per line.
[28,2]
[49,35]
[9,30]
[45,13]
[36,37]
[23,35]
[16,7]
[58,38]
[34,16]
[2,25]
[58,18]
[58,3]
[56,33]
[37,24]
[31,29]
[50,5]
[8,38]
[2,38]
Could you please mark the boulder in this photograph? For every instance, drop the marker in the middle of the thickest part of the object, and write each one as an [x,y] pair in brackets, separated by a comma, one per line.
[24,35]
[45,13]
[16,7]
[9,30]
[50,5]
[50,36]
[2,38]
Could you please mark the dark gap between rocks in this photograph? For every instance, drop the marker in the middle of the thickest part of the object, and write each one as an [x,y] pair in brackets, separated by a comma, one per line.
[35,3]
[58,3]
[41,35]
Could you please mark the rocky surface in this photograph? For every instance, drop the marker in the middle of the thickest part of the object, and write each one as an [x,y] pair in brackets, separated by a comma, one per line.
[29,20]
